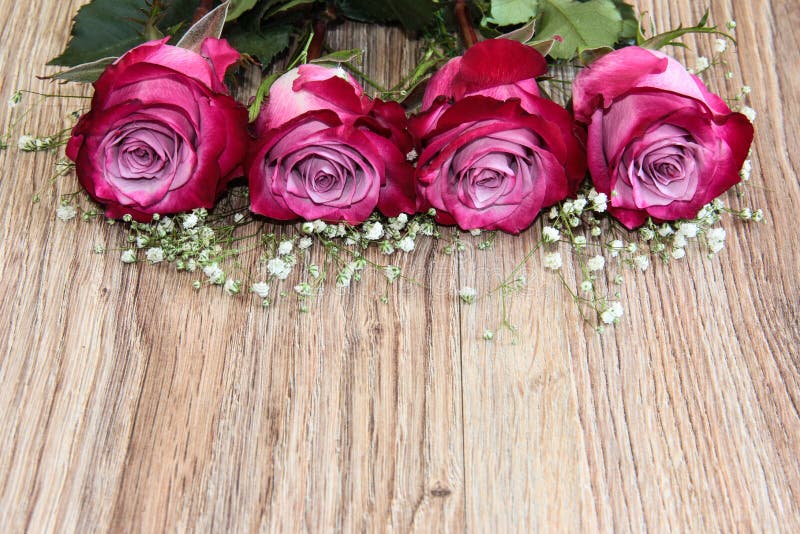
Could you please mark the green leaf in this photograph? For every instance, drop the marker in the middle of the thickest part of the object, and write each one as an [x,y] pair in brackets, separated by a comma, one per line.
[509,12]
[581,25]
[265,44]
[261,94]
[668,38]
[109,28]
[342,56]
[85,73]
[630,24]
[414,15]
[289,5]
[238,7]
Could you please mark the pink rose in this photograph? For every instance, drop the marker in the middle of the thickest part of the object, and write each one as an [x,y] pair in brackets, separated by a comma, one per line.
[326,151]
[162,135]
[499,153]
[660,144]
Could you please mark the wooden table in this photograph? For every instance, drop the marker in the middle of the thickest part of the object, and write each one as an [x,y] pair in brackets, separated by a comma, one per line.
[129,401]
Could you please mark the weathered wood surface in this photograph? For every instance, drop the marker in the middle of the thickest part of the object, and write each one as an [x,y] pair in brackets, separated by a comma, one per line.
[128,401]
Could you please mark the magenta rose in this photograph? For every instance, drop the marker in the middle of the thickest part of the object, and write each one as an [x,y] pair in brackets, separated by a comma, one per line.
[162,135]
[493,151]
[326,151]
[660,144]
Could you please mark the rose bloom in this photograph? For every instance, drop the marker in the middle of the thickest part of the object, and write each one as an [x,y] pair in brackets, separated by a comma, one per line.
[162,135]
[660,144]
[324,150]
[493,151]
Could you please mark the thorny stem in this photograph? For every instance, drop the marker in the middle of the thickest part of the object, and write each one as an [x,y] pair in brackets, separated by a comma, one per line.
[467,31]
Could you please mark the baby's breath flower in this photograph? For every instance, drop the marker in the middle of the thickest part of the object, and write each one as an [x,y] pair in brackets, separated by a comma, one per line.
[128,256]
[596,263]
[678,253]
[758,215]
[279,268]
[232,287]
[488,335]
[631,248]
[319,226]
[190,221]
[304,243]
[303,289]
[550,234]
[587,286]
[155,254]
[238,217]
[688,229]
[701,64]
[344,277]
[579,241]
[412,155]
[647,234]
[746,89]
[373,230]
[553,213]
[467,294]
[679,241]
[392,272]
[285,247]
[406,244]
[731,24]
[475,232]
[191,265]
[748,112]
[746,214]
[386,247]
[641,262]
[747,168]
[214,273]
[553,261]
[720,45]
[665,229]
[27,143]
[66,212]
[431,212]
[716,239]
[99,249]
[596,231]
[612,314]
[307,227]
[313,270]
[578,205]
[600,202]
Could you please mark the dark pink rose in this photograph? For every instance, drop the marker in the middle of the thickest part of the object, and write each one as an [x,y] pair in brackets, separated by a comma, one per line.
[326,151]
[499,153]
[660,144]
[162,135]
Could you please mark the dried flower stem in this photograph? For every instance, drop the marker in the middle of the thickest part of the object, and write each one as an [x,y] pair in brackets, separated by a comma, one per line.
[467,30]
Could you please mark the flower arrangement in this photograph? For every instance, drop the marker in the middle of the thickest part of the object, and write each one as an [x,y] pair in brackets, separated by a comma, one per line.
[562,112]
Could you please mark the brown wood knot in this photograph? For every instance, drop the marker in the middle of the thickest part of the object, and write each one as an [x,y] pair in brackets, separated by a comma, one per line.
[438,490]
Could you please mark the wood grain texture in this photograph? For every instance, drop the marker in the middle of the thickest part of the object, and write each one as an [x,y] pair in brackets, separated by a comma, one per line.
[130,402]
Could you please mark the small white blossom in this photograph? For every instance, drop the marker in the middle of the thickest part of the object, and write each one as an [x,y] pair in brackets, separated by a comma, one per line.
[27,143]
[285,247]
[307,227]
[406,244]
[579,241]
[238,217]
[304,243]
[701,64]
[641,262]
[467,294]
[399,222]
[596,231]
[553,261]
[612,313]
[587,286]
[319,226]
[678,253]
[279,268]
[578,205]
[128,256]
[746,89]
[190,221]
[66,212]
[155,254]
[716,239]
[475,232]
[665,229]
[303,289]
[373,231]
[232,287]
[731,24]
[488,335]
[261,289]
[600,202]
[747,168]
[392,272]
[596,263]
[550,234]
[214,273]
[748,112]
[616,246]
[647,234]
[746,214]
[688,229]
[758,215]
[720,45]
[679,241]
[553,212]
[412,155]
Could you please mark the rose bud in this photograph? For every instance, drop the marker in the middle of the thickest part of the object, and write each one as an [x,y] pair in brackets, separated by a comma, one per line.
[499,153]
[660,144]
[326,151]
[162,135]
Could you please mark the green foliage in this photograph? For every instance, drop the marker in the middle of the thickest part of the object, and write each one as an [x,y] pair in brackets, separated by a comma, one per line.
[581,25]
[238,7]
[414,15]
[669,38]
[109,28]
[265,43]
[508,12]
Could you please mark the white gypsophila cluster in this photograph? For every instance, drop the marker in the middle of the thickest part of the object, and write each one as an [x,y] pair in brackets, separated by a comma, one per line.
[303,289]
[599,201]
[716,239]
[596,263]
[260,289]
[214,273]
[190,221]
[406,244]
[720,45]
[612,313]
[279,268]
[304,242]
[553,261]
[467,294]
[701,64]
[550,234]
[128,256]
[285,247]
[587,286]
[155,255]
[641,262]
[66,212]
[232,287]
[747,169]
[392,272]
[373,230]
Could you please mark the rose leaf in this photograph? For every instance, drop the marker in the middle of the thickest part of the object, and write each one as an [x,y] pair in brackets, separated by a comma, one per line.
[581,25]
